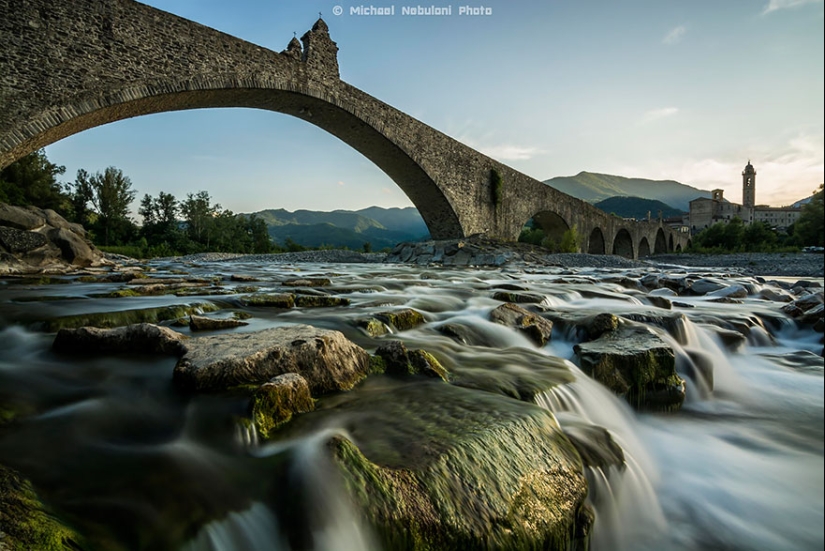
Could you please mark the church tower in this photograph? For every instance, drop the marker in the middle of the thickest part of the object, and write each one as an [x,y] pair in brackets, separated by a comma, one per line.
[749,186]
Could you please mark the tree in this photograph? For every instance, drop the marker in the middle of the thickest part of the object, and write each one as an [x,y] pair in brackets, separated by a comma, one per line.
[733,234]
[32,180]
[110,195]
[809,228]
[759,236]
[570,241]
[198,213]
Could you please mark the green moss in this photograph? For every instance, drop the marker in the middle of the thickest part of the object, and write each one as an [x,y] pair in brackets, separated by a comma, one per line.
[496,187]
[402,320]
[377,365]
[240,315]
[126,317]
[274,405]
[373,327]
[27,524]
[425,363]
[120,293]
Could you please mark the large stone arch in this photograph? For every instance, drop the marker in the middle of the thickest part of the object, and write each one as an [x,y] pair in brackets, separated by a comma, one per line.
[623,244]
[337,116]
[670,242]
[660,246]
[595,244]
[644,248]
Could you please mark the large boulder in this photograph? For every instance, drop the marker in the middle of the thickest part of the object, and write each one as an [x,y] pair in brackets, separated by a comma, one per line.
[33,240]
[326,359]
[20,218]
[634,362]
[472,470]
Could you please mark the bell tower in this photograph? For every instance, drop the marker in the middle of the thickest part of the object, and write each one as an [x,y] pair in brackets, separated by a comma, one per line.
[749,186]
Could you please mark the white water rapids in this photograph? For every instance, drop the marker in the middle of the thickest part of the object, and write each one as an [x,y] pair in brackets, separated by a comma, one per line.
[739,467]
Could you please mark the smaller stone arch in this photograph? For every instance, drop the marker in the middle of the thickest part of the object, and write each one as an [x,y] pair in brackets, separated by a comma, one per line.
[670,243]
[660,245]
[623,244]
[678,247]
[689,243]
[644,248]
[553,227]
[595,244]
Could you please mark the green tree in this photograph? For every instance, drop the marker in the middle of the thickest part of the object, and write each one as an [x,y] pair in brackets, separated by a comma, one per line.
[32,180]
[733,234]
[759,236]
[110,193]
[570,241]
[809,228]
[199,213]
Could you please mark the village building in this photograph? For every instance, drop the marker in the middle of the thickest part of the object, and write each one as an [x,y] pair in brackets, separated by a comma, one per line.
[705,212]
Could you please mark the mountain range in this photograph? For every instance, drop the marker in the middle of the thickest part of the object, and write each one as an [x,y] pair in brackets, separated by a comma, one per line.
[377,226]
[594,187]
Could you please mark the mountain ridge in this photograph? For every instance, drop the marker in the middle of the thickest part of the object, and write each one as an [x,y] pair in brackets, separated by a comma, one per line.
[594,187]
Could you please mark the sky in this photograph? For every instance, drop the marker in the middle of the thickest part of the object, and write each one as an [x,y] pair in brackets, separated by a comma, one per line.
[660,89]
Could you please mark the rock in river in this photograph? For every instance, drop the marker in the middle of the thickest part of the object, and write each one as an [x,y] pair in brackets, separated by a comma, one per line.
[138,338]
[325,358]
[636,363]
[534,327]
[275,402]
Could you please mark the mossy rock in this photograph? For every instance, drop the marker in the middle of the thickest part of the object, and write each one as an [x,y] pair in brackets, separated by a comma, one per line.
[274,403]
[320,301]
[442,467]
[520,298]
[636,363]
[373,327]
[121,318]
[26,524]
[400,361]
[402,320]
[281,300]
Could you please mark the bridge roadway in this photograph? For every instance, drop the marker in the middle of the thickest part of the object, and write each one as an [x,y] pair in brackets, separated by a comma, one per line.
[69,66]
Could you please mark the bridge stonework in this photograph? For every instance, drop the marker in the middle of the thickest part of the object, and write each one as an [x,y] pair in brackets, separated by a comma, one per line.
[69,66]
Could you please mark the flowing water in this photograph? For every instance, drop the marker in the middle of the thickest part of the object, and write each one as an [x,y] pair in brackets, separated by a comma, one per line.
[113,447]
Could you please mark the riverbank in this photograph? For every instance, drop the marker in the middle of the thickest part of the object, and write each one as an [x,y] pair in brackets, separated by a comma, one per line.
[753,264]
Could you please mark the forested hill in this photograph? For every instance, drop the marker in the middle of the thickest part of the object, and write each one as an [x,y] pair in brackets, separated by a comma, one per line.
[380,227]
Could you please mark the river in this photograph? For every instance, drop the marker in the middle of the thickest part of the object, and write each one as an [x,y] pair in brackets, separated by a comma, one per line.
[134,464]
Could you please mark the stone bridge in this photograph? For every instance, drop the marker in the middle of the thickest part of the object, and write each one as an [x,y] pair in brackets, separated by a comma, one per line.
[69,66]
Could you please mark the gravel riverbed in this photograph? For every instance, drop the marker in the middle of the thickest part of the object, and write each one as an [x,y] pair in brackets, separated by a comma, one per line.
[762,264]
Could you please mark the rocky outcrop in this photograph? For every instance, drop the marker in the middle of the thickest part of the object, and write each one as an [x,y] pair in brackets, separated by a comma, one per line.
[326,359]
[34,240]
[636,363]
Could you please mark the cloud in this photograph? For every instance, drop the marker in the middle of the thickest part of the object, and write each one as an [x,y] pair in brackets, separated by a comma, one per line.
[656,114]
[386,190]
[340,183]
[509,152]
[675,35]
[775,5]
